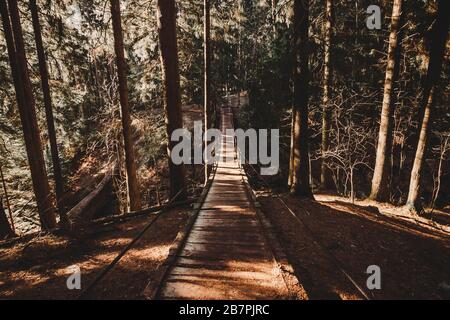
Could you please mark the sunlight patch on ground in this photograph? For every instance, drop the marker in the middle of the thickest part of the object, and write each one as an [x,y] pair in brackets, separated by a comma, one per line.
[384,209]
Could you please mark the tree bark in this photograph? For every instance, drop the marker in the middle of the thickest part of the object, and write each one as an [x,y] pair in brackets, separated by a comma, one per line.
[352,186]
[207,79]
[439,36]
[381,177]
[300,166]
[437,184]
[325,175]
[25,101]
[291,154]
[133,193]
[5,228]
[57,173]
[273,12]
[166,18]
[8,205]
[239,52]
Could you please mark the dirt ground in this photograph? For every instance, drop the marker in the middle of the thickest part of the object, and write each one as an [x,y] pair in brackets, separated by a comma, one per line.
[38,269]
[414,257]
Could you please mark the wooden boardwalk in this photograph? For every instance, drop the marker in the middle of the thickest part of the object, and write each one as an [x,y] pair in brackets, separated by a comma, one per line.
[226,255]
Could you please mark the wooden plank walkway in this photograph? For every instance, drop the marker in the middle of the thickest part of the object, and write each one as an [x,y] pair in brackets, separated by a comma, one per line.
[226,255]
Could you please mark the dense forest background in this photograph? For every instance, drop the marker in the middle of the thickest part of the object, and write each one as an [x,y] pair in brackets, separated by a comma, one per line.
[251,45]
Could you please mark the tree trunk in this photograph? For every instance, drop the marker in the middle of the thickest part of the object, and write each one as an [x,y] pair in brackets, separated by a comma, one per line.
[381,176]
[439,35]
[325,175]
[273,12]
[352,186]
[166,17]
[59,184]
[207,79]
[300,164]
[25,101]
[5,228]
[291,154]
[239,57]
[133,193]
[5,192]
[437,186]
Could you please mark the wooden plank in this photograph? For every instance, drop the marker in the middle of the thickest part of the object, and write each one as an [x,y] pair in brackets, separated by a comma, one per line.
[226,255]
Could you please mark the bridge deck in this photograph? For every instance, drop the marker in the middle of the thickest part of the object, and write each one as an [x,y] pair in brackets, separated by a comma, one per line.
[226,255]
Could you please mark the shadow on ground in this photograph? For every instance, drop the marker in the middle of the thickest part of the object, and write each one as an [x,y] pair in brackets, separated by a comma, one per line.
[38,269]
[413,260]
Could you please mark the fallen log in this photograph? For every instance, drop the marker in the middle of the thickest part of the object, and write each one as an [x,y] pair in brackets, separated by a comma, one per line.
[86,209]
[134,214]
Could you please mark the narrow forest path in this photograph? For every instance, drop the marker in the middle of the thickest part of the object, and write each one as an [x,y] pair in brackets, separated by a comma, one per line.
[226,254]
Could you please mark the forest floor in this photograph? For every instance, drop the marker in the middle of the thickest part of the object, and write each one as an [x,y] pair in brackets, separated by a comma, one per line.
[38,269]
[413,254]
